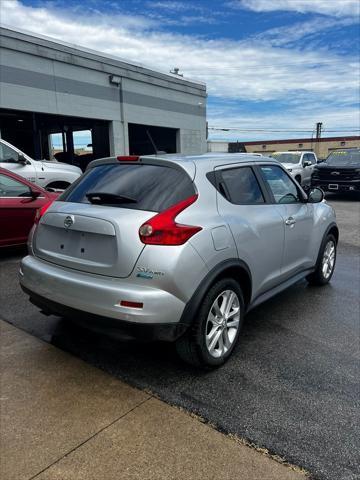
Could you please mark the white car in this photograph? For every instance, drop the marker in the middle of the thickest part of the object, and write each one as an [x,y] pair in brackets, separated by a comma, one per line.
[299,164]
[48,174]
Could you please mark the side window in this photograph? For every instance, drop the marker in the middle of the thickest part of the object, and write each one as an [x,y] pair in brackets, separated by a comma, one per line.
[241,186]
[12,188]
[7,154]
[309,157]
[312,158]
[281,185]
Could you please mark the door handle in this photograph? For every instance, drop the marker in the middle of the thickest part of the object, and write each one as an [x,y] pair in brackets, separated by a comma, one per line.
[290,221]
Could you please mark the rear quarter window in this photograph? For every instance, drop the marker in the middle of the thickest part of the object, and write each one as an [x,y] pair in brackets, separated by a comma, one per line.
[153,187]
[238,185]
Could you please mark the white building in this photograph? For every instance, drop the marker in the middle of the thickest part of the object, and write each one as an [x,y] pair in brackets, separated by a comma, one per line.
[50,87]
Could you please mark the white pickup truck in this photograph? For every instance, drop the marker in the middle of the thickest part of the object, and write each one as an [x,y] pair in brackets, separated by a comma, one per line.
[299,164]
[51,175]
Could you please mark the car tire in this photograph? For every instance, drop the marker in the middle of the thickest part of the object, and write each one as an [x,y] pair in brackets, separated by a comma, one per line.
[325,265]
[212,337]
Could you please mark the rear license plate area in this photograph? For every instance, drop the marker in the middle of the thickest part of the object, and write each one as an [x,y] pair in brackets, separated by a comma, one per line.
[333,186]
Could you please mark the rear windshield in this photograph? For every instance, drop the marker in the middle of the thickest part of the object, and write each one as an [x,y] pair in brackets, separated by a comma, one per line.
[344,157]
[148,187]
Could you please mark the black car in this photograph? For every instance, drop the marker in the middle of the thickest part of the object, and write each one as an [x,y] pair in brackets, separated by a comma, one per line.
[339,173]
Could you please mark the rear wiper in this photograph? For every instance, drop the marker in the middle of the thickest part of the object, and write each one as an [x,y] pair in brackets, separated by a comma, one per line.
[103,198]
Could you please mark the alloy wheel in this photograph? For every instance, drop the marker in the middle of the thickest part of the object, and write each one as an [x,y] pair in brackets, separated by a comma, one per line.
[328,260]
[222,323]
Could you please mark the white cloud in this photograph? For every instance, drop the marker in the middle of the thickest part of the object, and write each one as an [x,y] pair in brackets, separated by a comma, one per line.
[325,7]
[309,30]
[247,70]
[173,6]
[260,126]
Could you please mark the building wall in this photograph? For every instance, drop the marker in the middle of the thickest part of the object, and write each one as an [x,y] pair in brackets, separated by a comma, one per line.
[214,146]
[322,148]
[41,75]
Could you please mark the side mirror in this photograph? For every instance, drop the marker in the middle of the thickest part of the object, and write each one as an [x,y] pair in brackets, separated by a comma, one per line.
[316,195]
[307,163]
[22,159]
[35,194]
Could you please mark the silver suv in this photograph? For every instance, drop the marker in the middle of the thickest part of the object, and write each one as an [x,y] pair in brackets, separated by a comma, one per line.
[177,248]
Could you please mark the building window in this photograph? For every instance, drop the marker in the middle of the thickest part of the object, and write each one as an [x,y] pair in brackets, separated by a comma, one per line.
[264,146]
[301,145]
[342,144]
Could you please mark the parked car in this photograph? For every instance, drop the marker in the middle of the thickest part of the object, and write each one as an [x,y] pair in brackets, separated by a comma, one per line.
[178,248]
[299,164]
[20,200]
[340,172]
[50,175]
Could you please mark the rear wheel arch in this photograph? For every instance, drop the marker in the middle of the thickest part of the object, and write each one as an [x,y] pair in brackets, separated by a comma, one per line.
[233,268]
[242,276]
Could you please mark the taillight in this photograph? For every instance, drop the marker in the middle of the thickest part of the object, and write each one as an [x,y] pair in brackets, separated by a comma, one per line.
[41,211]
[128,158]
[163,230]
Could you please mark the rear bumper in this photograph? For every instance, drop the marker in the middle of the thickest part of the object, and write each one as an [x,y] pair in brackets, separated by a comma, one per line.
[167,332]
[94,301]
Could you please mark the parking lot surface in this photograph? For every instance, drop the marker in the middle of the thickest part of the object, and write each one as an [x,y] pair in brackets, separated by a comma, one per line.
[292,385]
[77,422]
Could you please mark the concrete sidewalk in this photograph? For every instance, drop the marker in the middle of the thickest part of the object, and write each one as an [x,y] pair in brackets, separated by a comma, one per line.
[63,419]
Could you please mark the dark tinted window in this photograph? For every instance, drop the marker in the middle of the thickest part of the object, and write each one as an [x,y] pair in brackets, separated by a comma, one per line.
[281,185]
[240,186]
[153,187]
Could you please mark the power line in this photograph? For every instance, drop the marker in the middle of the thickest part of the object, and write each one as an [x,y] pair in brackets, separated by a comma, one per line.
[279,130]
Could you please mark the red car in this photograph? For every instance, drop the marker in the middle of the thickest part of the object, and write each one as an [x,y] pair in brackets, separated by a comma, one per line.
[19,203]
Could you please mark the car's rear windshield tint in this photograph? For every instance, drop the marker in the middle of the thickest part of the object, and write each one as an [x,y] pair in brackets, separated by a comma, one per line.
[152,187]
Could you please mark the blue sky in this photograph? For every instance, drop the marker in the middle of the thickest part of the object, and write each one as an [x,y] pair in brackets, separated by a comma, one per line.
[273,68]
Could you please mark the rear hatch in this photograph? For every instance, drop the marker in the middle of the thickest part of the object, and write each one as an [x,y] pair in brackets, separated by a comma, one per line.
[94,225]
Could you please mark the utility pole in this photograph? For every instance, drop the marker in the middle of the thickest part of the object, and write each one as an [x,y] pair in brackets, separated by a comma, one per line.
[318,130]
[318,136]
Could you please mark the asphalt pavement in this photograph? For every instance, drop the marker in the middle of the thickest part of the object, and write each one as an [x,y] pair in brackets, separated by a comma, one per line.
[292,385]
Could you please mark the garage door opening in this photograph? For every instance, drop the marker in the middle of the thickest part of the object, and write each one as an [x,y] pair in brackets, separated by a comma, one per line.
[72,140]
[146,140]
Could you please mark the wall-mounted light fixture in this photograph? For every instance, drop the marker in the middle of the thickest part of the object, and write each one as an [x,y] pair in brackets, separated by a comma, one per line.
[115,80]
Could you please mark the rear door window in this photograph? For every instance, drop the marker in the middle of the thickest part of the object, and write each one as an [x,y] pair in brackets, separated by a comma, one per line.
[141,186]
[241,186]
